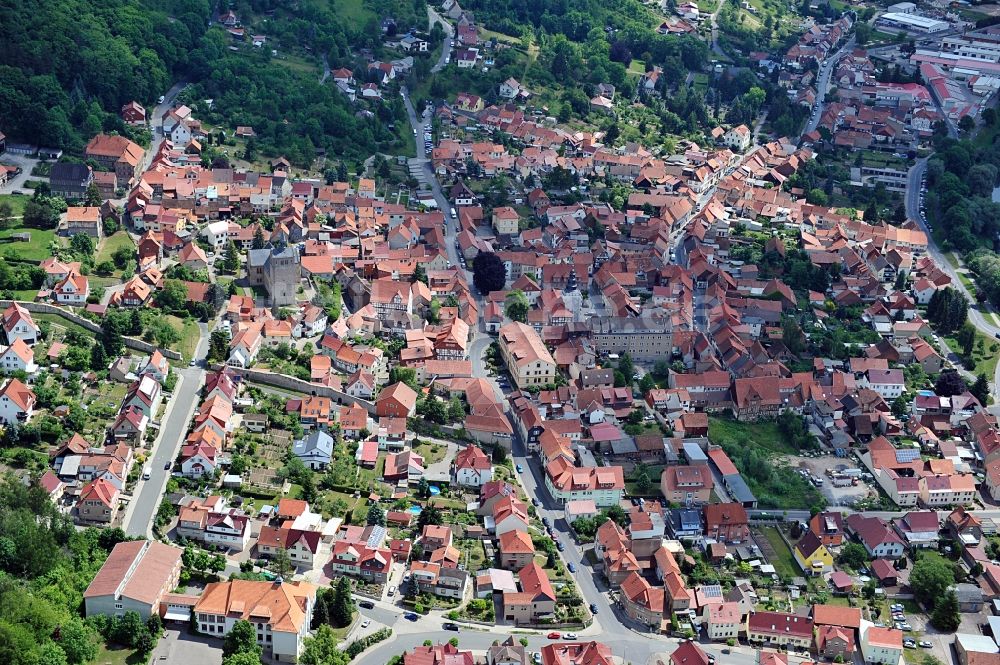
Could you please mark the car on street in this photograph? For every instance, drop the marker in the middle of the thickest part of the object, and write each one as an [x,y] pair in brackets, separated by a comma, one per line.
[711,658]
[571,566]
[536,657]
[570,636]
[924,644]
[450,626]
[909,644]
[160,100]
[554,636]
[410,616]
[545,521]
[367,604]
[167,465]
[192,363]
[560,546]
[534,502]
[366,623]
[392,591]
[519,468]
[593,608]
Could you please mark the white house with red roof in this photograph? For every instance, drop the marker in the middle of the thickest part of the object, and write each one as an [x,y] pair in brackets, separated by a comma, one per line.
[471,467]
[18,324]
[72,290]
[18,357]
[199,459]
[17,402]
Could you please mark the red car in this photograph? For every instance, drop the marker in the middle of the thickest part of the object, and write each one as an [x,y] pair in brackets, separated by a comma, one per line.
[554,636]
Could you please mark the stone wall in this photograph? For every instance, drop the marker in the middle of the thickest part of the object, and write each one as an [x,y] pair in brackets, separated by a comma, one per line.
[293,384]
[130,342]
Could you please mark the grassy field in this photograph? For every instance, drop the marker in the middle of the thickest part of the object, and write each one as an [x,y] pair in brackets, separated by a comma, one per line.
[299,64]
[16,201]
[112,243]
[761,435]
[985,359]
[188,343]
[35,250]
[353,11]
[766,473]
[783,561]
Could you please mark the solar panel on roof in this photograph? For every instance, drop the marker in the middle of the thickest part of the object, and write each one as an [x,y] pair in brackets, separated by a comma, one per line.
[905,455]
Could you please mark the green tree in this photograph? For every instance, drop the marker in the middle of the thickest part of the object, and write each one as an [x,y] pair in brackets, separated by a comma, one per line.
[376,516]
[456,412]
[516,306]
[242,658]
[488,273]
[281,563]
[231,261]
[321,649]
[172,296]
[342,610]
[82,245]
[258,238]
[92,197]
[854,555]
[946,615]
[981,389]
[242,638]
[218,346]
[930,579]
[77,641]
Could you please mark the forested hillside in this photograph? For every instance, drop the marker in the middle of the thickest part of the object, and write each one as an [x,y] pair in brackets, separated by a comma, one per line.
[67,67]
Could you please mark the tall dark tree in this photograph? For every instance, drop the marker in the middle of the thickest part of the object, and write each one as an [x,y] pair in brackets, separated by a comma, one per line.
[949,383]
[488,272]
[343,604]
[981,389]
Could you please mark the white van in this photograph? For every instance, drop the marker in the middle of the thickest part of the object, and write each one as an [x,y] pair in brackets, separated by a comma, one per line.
[145,472]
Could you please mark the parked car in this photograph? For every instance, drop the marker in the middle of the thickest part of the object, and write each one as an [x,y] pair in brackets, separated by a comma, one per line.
[560,546]
[450,626]
[571,566]
[366,623]
[554,636]
[593,608]
[534,502]
[410,616]
[367,604]
[167,466]
[924,644]
[392,591]
[570,636]
[545,521]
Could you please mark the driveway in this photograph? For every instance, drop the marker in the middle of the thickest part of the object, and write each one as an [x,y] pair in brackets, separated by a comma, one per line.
[25,163]
[178,647]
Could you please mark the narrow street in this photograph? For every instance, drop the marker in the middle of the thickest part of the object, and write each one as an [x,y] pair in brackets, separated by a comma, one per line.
[141,511]
[823,85]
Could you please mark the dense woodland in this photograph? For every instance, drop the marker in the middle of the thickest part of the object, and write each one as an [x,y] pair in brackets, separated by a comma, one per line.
[69,66]
[45,566]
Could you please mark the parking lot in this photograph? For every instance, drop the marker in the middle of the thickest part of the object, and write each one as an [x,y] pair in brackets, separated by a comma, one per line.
[178,647]
[818,467]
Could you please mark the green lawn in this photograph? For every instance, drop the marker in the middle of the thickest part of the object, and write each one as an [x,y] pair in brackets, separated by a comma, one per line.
[783,561]
[431,452]
[17,203]
[985,359]
[112,243]
[117,655]
[35,250]
[762,434]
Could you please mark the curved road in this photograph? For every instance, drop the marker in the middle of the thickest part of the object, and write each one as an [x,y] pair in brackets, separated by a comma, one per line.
[984,325]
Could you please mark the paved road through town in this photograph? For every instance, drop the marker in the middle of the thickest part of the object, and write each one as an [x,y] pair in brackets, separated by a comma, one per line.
[146,499]
[823,84]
